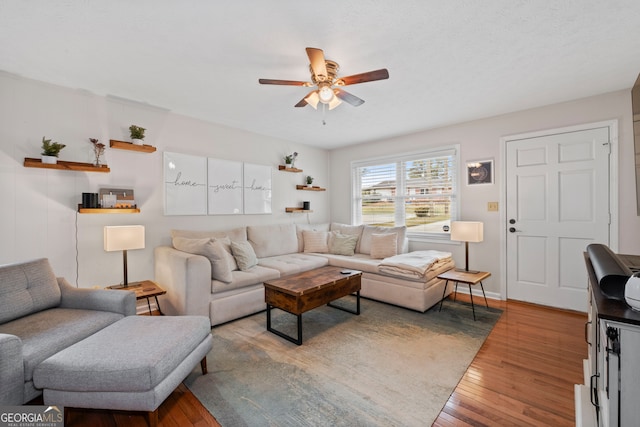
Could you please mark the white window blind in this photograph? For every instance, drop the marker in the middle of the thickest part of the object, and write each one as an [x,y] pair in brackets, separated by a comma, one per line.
[418,190]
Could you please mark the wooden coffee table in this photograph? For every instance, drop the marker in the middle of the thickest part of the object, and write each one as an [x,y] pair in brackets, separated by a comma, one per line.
[302,292]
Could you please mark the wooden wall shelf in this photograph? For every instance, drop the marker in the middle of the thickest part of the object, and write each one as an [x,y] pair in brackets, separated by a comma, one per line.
[286,169]
[68,166]
[107,210]
[296,210]
[304,187]
[123,145]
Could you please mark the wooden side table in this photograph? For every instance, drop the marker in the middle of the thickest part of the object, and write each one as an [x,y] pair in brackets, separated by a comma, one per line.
[145,289]
[468,277]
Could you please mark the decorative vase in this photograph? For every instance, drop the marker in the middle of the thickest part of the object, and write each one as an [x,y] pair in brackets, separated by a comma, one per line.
[309,185]
[136,141]
[49,160]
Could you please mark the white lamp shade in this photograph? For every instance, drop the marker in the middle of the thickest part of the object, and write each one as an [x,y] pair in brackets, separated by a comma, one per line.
[123,237]
[467,231]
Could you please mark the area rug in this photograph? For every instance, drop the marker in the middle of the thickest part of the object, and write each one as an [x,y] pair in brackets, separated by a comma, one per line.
[389,366]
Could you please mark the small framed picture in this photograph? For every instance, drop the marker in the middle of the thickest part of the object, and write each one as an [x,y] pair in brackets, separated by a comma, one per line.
[479,172]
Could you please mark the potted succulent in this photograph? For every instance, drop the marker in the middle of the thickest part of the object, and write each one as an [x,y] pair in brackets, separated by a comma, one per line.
[290,159]
[309,181]
[137,134]
[50,151]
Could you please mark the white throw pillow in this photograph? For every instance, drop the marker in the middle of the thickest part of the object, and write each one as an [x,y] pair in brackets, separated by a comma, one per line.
[244,254]
[342,244]
[315,241]
[228,255]
[384,245]
[210,248]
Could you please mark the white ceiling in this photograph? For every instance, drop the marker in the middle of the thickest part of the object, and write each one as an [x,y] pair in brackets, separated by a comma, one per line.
[449,61]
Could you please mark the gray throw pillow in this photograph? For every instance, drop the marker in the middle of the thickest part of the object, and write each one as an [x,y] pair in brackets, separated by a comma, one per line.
[210,248]
[244,254]
[342,244]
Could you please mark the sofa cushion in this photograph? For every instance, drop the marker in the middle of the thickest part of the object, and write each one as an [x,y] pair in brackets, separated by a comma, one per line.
[242,279]
[222,262]
[316,241]
[356,262]
[27,288]
[272,240]
[342,244]
[355,230]
[293,263]
[369,230]
[244,254]
[312,227]
[47,332]
[384,245]
[237,234]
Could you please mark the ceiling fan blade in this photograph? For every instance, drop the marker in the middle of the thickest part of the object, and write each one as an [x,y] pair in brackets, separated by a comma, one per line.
[370,76]
[318,65]
[282,82]
[349,98]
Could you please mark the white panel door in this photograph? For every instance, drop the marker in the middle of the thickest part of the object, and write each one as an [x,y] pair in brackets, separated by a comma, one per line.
[557,203]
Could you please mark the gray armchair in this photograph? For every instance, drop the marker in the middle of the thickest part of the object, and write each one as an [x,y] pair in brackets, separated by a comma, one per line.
[41,315]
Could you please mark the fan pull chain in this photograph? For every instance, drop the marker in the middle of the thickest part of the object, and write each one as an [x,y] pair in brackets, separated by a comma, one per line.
[324,110]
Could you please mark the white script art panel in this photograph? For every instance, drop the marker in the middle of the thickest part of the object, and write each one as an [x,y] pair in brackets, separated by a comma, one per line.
[224,187]
[185,184]
[257,189]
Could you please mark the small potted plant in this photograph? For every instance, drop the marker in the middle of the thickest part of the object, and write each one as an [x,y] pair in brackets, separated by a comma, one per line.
[137,134]
[98,150]
[50,151]
[309,181]
[290,159]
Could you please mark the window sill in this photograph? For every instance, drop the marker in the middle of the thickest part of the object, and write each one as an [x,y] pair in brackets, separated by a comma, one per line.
[441,238]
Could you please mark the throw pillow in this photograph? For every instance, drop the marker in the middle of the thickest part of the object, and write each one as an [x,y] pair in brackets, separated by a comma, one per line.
[315,241]
[228,255]
[342,244]
[384,245]
[210,248]
[244,254]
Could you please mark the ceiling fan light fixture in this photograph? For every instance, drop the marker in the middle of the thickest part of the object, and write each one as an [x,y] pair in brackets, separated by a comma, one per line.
[326,94]
[313,99]
[334,103]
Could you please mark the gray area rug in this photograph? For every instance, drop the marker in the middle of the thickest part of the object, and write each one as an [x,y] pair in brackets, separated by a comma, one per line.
[387,367]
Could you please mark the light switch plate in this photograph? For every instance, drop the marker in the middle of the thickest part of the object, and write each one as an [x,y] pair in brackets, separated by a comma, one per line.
[492,206]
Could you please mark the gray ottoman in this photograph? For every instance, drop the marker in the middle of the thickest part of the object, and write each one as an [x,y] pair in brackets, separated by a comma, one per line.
[133,364]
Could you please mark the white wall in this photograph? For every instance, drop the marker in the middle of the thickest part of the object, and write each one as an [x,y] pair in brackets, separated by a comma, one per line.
[38,207]
[481,140]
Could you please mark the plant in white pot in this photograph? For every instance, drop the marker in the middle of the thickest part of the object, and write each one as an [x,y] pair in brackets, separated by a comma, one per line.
[137,134]
[309,181]
[50,151]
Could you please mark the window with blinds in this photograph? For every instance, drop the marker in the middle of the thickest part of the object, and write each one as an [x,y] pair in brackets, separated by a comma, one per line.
[417,190]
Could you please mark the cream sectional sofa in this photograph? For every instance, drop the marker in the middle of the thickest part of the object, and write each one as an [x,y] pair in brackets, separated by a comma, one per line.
[191,275]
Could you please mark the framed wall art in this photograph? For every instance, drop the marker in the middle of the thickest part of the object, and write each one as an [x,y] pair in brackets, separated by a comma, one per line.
[185,184]
[479,172]
[224,187]
[257,189]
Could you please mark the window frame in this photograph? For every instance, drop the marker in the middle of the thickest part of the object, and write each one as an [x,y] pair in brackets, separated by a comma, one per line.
[422,236]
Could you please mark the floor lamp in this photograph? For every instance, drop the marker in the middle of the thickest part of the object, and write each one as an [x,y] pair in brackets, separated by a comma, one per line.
[123,238]
[466,231]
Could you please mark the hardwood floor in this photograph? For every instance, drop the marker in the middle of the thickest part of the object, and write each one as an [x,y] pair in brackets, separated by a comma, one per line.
[523,375]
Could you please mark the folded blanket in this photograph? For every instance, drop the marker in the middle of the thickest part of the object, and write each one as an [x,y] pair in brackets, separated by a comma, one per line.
[413,265]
